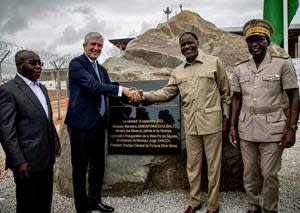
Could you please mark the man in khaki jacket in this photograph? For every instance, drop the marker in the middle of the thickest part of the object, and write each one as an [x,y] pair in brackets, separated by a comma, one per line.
[205,97]
[257,85]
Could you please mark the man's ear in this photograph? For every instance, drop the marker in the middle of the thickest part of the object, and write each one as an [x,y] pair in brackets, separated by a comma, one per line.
[19,67]
[268,40]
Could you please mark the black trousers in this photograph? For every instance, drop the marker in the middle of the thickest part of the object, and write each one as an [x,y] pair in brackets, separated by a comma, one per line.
[35,194]
[88,158]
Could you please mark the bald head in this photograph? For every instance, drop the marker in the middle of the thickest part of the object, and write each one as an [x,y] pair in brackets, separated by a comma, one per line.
[22,55]
[28,64]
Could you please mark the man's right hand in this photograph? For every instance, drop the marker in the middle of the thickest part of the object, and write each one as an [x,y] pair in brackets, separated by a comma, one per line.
[132,93]
[233,136]
[22,171]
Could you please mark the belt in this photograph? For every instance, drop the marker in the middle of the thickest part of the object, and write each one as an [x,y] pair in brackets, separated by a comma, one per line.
[261,110]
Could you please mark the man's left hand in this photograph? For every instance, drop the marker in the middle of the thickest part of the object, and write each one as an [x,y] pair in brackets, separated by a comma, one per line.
[288,139]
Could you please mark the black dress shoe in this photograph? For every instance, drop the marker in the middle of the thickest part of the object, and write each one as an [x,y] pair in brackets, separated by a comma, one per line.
[213,211]
[258,210]
[102,207]
[191,209]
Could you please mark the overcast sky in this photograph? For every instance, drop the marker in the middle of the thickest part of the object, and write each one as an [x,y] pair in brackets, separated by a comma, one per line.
[58,26]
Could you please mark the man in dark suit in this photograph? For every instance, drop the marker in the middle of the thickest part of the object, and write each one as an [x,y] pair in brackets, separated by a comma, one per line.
[28,135]
[89,83]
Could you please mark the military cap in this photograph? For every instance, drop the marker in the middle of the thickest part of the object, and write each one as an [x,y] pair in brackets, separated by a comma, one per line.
[257,27]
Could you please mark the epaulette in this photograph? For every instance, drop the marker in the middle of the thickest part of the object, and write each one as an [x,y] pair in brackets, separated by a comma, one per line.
[280,56]
[241,62]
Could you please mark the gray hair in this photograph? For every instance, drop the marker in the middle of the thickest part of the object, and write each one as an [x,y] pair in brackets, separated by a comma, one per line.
[92,35]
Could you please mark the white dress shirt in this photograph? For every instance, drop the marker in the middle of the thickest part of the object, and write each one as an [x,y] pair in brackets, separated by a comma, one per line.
[34,86]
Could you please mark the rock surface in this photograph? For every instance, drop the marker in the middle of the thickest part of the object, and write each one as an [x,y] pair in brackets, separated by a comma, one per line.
[2,161]
[152,56]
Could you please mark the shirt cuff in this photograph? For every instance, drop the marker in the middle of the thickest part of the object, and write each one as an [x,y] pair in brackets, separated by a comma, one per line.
[120,91]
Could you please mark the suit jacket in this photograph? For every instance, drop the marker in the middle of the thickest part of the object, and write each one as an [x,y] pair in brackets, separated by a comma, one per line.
[26,133]
[85,90]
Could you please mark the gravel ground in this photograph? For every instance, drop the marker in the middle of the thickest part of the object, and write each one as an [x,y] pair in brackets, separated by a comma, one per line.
[177,201]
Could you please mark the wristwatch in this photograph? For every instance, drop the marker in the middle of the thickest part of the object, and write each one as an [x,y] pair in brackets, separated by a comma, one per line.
[294,127]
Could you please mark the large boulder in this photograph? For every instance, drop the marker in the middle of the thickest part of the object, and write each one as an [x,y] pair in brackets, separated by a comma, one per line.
[152,56]
[155,53]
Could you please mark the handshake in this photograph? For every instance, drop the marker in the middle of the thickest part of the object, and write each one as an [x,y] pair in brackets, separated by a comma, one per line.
[133,94]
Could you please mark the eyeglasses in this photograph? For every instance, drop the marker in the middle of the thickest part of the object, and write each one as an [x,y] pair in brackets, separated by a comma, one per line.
[252,39]
[34,62]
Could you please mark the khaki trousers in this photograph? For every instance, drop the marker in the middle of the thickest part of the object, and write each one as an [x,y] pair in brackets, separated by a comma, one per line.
[196,146]
[266,156]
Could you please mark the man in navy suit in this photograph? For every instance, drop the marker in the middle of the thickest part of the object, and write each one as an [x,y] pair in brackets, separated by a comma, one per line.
[89,83]
[28,135]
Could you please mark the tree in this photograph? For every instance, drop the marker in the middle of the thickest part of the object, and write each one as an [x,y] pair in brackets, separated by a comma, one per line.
[6,50]
[58,62]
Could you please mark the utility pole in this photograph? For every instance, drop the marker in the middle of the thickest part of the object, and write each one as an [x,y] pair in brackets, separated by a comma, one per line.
[168,11]
[1,63]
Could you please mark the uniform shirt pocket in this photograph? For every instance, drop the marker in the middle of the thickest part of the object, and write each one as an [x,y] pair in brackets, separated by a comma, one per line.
[206,81]
[277,116]
[276,122]
[185,88]
[242,116]
[244,84]
[244,79]
[213,117]
[242,123]
[212,109]
[272,83]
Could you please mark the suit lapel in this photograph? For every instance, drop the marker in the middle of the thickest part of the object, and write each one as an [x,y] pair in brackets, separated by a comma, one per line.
[47,100]
[90,68]
[25,89]
[103,74]
[94,71]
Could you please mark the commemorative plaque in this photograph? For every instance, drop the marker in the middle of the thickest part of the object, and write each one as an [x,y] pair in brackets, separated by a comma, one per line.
[144,128]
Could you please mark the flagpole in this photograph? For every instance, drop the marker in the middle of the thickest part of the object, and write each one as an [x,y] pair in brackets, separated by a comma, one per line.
[285,26]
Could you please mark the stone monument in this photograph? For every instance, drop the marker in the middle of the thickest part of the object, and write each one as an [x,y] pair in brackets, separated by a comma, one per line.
[152,56]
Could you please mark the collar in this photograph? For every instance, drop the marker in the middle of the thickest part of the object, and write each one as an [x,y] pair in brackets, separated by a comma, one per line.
[267,58]
[27,81]
[199,59]
[265,62]
[92,61]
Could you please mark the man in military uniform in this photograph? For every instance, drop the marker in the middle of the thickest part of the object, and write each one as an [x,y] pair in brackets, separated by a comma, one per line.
[257,85]
[202,84]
